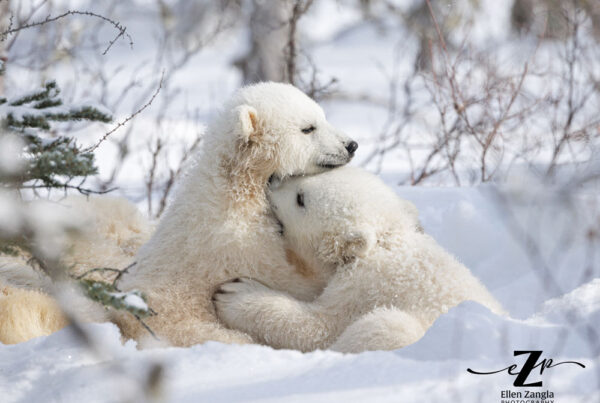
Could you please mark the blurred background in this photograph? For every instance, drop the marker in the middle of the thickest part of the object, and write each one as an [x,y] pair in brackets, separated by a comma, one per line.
[448,93]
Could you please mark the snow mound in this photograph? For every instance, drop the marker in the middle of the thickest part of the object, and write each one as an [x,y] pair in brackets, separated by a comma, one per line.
[59,368]
[577,306]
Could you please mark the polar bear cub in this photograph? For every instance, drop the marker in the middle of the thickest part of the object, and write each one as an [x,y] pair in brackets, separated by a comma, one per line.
[388,281]
[112,231]
[219,225]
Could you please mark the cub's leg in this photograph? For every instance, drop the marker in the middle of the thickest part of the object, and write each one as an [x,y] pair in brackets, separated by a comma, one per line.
[26,314]
[273,317]
[381,329]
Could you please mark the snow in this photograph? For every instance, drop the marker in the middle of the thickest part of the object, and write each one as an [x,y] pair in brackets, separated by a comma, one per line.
[577,305]
[135,301]
[466,221]
[131,300]
[56,368]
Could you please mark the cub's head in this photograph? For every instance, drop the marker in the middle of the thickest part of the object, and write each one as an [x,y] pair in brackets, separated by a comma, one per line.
[280,130]
[333,218]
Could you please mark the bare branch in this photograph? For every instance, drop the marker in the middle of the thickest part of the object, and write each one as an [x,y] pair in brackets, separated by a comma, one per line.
[122,30]
[84,191]
[124,122]
[300,8]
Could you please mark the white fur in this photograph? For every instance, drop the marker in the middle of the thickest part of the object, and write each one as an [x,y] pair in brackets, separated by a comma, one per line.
[358,230]
[25,314]
[219,226]
[112,232]
[380,329]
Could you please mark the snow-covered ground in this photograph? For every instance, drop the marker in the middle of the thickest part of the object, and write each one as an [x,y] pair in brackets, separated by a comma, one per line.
[563,322]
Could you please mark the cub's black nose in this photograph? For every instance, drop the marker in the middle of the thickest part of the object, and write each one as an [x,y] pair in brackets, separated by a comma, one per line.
[352,146]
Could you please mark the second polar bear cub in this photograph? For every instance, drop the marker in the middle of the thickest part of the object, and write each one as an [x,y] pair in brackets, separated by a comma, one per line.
[388,283]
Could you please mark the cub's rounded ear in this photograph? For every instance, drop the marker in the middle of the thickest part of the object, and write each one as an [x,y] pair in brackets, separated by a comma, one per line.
[346,247]
[248,122]
[356,244]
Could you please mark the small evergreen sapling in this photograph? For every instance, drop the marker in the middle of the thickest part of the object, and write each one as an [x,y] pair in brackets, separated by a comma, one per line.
[50,162]
[41,159]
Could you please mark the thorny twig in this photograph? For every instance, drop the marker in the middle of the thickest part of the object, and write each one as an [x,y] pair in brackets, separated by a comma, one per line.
[122,30]
[124,122]
[173,175]
[79,188]
[298,10]
[150,181]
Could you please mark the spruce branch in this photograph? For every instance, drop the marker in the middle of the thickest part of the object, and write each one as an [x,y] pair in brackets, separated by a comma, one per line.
[49,163]
[111,297]
[83,190]
[40,106]
[49,91]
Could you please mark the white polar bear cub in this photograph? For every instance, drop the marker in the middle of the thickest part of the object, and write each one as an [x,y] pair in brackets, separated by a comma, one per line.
[389,281]
[219,225]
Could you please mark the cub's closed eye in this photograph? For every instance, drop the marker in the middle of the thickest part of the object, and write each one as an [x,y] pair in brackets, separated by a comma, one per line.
[309,129]
[300,199]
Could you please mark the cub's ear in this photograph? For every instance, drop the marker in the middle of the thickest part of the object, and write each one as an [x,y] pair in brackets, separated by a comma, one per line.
[248,122]
[356,244]
[346,247]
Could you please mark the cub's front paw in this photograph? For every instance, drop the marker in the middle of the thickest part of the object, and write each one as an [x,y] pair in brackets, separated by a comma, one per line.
[237,301]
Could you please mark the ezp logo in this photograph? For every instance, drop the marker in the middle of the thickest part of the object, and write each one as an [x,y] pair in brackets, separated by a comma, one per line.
[530,364]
